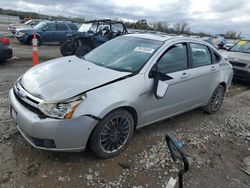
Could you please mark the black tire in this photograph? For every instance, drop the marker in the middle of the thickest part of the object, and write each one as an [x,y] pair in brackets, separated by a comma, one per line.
[216,100]
[82,50]
[112,135]
[67,49]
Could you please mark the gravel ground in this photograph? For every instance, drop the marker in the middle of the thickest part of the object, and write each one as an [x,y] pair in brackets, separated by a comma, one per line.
[217,146]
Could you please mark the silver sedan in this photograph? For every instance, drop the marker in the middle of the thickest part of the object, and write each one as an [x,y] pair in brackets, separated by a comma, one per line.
[129,82]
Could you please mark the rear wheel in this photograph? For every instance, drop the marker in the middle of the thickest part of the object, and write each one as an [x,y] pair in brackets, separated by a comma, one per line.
[67,49]
[82,50]
[112,134]
[216,100]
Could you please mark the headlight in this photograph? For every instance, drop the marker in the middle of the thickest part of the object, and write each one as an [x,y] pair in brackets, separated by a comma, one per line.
[20,34]
[64,109]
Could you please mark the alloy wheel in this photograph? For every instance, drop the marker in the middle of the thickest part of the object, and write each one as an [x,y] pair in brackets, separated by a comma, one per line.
[217,99]
[115,134]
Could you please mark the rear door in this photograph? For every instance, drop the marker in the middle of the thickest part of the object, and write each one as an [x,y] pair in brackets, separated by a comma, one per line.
[61,31]
[174,63]
[204,73]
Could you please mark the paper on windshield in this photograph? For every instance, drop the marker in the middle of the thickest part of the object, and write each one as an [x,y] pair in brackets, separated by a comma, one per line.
[144,49]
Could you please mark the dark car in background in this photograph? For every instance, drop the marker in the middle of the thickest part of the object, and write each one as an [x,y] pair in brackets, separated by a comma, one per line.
[239,57]
[90,35]
[47,31]
[5,50]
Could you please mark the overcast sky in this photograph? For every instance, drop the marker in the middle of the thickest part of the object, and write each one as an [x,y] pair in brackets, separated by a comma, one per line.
[215,16]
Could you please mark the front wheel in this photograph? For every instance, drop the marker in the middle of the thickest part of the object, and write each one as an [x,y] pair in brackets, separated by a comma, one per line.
[67,49]
[82,50]
[216,100]
[112,134]
[30,41]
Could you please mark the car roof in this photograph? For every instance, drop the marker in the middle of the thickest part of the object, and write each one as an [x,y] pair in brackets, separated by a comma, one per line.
[164,37]
[50,21]
[159,37]
[103,20]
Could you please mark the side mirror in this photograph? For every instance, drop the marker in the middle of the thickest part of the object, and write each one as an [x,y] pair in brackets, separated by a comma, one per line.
[160,87]
[44,29]
[174,147]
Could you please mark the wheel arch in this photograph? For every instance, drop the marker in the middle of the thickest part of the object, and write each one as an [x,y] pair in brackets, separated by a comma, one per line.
[129,109]
[132,111]
[224,85]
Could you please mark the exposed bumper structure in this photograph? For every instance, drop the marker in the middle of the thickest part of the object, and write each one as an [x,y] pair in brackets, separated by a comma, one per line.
[242,73]
[49,133]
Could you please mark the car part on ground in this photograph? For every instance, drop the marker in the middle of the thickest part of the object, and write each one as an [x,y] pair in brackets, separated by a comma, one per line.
[128,82]
[47,31]
[239,57]
[177,153]
[6,51]
[90,35]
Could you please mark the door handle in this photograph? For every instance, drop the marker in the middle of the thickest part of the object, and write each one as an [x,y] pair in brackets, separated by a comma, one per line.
[213,68]
[184,75]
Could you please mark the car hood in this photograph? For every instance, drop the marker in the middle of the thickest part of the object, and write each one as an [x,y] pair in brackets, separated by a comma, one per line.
[238,57]
[16,25]
[25,29]
[65,77]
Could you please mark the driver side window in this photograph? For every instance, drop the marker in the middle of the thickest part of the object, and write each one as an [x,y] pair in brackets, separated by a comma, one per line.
[174,59]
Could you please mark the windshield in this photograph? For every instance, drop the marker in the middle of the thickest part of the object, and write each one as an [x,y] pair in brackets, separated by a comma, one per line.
[40,25]
[85,27]
[241,46]
[125,53]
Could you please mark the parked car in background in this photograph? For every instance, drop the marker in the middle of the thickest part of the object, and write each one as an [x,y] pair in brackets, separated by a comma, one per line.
[220,41]
[229,45]
[28,24]
[122,85]
[5,50]
[90,35]
[47,31]
[210,41]
[239,57]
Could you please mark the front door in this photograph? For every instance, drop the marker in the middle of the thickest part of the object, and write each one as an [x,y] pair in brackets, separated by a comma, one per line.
[174,63]
[49,32]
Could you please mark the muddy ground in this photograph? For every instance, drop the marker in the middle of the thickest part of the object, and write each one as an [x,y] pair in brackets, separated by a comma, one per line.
[216,145]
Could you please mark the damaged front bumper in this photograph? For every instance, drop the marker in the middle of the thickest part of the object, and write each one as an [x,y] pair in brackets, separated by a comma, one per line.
[49,133]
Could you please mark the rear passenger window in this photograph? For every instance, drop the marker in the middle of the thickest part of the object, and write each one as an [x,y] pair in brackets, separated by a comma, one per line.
[175,59]
[73,26]
[201,55]
[61,26]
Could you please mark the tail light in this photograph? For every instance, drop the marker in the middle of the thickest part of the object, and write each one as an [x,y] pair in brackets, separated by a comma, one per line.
[4,40]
